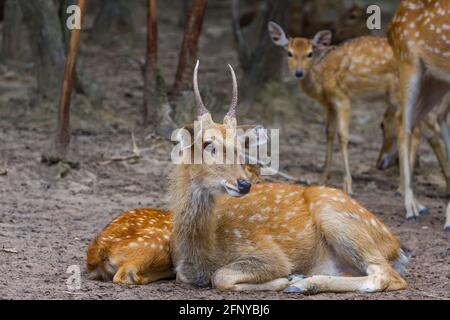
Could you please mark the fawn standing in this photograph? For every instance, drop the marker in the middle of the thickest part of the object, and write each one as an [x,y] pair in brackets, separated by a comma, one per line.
[258,236]
[420,37]
[335,75]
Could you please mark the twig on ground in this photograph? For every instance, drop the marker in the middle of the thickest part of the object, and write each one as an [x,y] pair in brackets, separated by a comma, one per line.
[10,250]
[280,173]
[136,154]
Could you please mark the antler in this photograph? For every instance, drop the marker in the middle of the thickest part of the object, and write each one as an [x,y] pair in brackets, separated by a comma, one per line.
[234,99]
[201,109]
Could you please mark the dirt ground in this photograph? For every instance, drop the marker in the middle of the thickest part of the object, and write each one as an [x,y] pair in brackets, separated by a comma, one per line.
[48,214]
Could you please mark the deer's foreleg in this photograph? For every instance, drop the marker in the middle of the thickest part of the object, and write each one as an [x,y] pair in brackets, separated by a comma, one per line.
[410,78]
[343,116]
[253,274]
[330,123]
[431,133]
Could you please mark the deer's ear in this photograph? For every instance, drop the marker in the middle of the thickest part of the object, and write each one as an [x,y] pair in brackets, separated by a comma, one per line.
[322,39]
[277,34]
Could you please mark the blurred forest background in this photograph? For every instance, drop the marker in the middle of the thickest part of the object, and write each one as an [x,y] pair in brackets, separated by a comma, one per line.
[137,57]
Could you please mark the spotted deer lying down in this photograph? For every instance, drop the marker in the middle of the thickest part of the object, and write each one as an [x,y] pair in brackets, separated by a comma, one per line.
[240,237]
[334,76]
[134,248]
[254,240]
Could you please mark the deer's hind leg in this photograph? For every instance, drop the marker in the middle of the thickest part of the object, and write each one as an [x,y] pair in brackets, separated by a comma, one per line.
[358,241]
[144,267]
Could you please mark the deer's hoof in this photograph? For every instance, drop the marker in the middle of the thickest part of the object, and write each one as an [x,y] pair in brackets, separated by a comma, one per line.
[294,289]
[413,218]
[300,287]
[424,212]
[447,228]
[397,194]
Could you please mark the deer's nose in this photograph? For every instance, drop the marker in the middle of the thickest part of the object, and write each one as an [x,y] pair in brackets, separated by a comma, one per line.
[299,73]
[244,186]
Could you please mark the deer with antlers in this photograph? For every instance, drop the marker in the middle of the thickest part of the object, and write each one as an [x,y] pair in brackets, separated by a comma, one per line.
[420,37]
[134,248]
[239,237]
[335,75]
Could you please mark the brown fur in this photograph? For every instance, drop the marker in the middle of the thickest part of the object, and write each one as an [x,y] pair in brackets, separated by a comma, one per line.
[435,130]
[133,248]
[334,76]
[420,38]
[255,242]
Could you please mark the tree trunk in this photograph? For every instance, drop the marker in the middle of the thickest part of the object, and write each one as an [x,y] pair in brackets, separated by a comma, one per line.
[149,110]
[262,63]
[188,53]
[83,83]
[41,19]
[12,31]
[156,110]
[63,130]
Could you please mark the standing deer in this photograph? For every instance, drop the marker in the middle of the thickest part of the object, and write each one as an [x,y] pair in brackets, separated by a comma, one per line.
[433,127]
[257,236]
[420,37]
[333,76]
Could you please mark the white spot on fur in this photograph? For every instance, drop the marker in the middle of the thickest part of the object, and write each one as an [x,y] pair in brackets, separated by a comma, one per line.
[289,215]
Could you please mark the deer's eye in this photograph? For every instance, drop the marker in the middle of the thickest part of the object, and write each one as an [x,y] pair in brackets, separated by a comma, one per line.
[310,54]
[289,54]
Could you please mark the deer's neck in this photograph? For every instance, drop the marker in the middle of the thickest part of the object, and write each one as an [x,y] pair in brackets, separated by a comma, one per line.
[194,228]
[312,83]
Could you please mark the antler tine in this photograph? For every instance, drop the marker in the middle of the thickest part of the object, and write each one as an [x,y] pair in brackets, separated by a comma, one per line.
[234,99]
[201,109]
